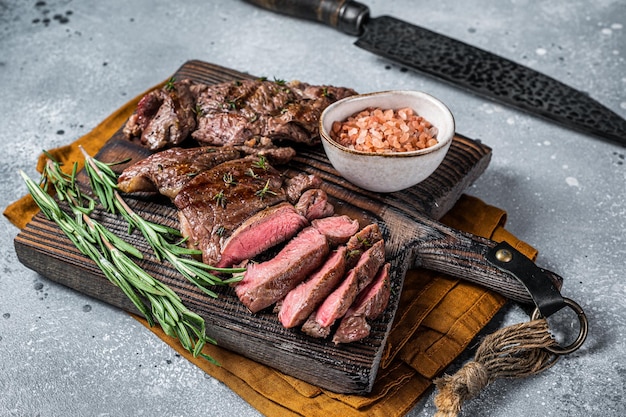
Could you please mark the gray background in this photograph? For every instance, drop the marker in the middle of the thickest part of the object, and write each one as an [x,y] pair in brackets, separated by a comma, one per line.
[65,66]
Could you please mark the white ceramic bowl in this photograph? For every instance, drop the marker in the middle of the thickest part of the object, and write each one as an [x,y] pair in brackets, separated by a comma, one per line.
[393,171]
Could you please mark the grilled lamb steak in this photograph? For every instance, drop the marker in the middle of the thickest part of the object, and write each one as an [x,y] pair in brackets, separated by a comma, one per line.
[370,304]
[228,204]
[234,112]
[231,113]
[216,202]
[302,300]
[164,117]
[169,171]
[265,283]
[340,300]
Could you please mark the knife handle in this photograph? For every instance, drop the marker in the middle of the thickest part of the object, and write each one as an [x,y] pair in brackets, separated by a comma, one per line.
[346,16]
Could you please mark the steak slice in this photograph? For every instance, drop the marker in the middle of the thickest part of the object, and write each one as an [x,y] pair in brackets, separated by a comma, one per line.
[337,229]
[170,170]
[370,304]
[313,204]
[235,112]
[298,185]
[340,300]
[361,241]
[216,202]
[303,299]
[164,117]
[260,232]
[265,283]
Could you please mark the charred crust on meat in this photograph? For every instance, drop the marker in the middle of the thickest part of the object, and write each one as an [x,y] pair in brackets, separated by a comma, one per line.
[231,113]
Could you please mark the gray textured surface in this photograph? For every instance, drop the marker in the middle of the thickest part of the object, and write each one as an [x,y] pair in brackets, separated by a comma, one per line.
[65,65]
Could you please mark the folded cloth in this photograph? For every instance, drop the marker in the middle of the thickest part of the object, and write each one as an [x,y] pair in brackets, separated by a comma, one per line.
[437,318]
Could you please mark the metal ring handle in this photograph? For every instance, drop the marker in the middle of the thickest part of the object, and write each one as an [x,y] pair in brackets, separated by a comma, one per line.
[582,334]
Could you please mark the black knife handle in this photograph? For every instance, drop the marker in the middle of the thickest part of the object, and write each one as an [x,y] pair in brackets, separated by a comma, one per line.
[345,15]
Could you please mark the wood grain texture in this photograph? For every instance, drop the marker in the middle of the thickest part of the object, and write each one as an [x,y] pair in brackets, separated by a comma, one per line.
[408,220]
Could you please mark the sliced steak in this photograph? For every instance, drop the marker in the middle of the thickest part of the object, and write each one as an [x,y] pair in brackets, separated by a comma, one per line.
[235,112]
[265,283]
[216,202]
[314,329]
[361,241]
[299,184]
[337,229]
[303,299]
[164,117]
[313,204]
[170,170]
[340,300]
[370,304]
[260,232]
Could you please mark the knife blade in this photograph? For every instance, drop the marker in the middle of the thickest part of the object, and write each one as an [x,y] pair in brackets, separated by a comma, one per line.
[456,62]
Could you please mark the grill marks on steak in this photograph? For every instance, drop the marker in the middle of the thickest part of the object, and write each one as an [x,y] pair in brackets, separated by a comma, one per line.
[235,112]
[169,171]
[216,202]
[231,113]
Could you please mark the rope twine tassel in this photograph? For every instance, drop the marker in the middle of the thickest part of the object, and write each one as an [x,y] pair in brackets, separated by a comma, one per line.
[515,351]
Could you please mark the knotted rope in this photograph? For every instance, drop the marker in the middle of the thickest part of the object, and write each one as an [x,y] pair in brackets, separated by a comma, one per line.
[512,352]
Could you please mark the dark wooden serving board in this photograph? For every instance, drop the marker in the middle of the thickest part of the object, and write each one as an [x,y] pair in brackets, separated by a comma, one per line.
[407,219]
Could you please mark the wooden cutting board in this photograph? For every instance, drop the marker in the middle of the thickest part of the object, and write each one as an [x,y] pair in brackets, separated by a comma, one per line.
[407,220]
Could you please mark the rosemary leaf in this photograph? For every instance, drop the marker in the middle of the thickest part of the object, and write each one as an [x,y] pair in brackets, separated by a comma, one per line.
[109,253]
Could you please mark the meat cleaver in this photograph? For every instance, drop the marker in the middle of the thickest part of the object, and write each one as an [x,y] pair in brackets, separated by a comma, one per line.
[461,64]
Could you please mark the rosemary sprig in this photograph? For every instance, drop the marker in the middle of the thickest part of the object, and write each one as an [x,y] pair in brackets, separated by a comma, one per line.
[220,199]
[261,163]
[170,85]
[229,179]
[164,241]
[250,172]
[111,255]
[265,190]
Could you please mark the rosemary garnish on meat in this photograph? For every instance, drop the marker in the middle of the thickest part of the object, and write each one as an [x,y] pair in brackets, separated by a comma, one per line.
[170,84]
[261,163]
[229,179]
[250,172]
[220,199]
[114,256]
[265,190]
[161,238]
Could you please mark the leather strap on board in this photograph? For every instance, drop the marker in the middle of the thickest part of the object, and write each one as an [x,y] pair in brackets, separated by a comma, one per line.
[546,296]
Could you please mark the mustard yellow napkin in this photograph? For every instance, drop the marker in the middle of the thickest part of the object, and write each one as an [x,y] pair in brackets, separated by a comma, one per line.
[437,318]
